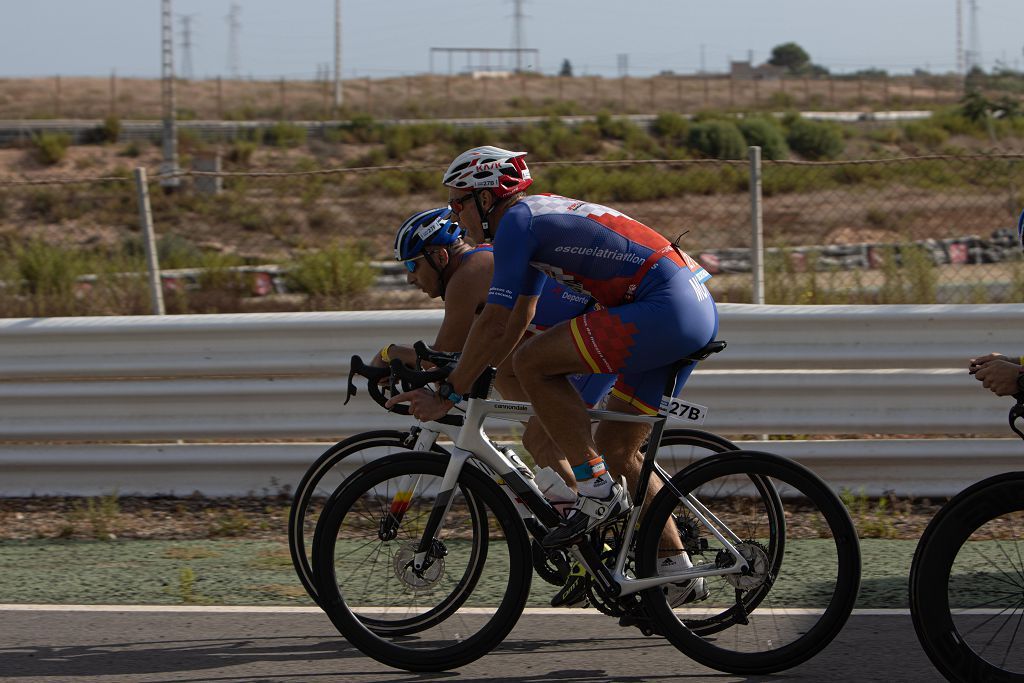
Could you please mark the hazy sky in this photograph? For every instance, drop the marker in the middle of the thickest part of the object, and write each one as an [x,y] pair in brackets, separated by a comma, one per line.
[383,38]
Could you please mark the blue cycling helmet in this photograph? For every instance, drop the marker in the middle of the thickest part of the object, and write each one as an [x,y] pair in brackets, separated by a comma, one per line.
[1020,229]
[433,227]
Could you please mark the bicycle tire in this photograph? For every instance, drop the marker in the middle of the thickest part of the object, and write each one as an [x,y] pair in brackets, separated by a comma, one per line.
[298,516]
[717,444]
[947,633]
[761,648]
[456,639]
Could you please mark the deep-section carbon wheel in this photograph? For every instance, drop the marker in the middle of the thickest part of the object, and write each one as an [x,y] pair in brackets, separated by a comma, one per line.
[790,604]
[967,583]
[470,589]
[322,478]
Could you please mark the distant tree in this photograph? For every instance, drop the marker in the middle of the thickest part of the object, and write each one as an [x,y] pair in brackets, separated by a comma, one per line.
[566,69]
[790,56]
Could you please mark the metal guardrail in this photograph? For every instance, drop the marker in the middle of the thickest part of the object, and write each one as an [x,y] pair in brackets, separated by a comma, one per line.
[821,370]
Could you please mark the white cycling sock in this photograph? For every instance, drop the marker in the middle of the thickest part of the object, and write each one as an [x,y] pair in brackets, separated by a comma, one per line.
[676,563]
[595,487]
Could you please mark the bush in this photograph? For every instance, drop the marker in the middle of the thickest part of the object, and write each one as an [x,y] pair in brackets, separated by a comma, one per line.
[717,140]
[335,273]
[51,148]
[241,152]
[815,140]
[767,135]
[671,128]
[283,134]
[925,133]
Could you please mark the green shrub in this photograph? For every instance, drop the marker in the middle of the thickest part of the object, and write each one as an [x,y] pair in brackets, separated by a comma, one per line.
[51,148]
[284,134]
[925,133]
[815,139]
[335,273]
[717,140]
[671,128]
[766,134]
[241,152]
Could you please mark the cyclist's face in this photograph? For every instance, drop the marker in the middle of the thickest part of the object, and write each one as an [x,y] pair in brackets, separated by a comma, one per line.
[425,277]
[465,210]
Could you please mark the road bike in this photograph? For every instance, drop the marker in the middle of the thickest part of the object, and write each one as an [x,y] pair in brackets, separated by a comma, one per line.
[967,579]
[679,447]
[423,561]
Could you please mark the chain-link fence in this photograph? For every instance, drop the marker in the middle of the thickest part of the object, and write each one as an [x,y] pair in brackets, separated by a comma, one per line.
[425,96]
[910,230]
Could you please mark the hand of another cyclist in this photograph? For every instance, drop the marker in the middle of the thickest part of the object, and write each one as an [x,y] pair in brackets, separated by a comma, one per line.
[999,377]
[424,404]
[976,363]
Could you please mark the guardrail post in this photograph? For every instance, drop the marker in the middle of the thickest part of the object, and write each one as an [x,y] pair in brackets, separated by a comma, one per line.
[757,227]
[149,242]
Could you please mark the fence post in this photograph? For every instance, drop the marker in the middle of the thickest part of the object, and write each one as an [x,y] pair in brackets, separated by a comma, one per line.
[757,227]
[149,242]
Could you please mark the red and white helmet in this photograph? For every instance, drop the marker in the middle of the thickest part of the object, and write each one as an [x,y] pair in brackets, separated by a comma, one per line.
[489,168]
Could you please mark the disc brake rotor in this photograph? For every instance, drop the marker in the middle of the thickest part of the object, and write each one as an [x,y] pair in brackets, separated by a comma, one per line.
[756,556]
[407,574]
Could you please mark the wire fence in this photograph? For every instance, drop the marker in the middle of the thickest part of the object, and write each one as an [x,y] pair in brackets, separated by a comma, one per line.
[935,229]
[453,95]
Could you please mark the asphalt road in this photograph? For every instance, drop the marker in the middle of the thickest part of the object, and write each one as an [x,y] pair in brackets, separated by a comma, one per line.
[300,644]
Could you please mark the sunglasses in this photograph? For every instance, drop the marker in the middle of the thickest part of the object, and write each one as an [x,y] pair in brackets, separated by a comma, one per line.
[411,264]
[457,205]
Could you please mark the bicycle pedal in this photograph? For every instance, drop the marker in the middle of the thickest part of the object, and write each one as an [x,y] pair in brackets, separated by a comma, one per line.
[645,625]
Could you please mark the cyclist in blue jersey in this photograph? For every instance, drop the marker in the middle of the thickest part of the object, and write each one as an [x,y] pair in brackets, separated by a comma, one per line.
[656,309]
[438,260]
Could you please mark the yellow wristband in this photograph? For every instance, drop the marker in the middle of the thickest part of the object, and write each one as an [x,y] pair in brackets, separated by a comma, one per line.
[1020,360]
[384,353]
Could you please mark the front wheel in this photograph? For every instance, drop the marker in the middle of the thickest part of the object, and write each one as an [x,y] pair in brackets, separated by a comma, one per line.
[322,478]
[778,614]
[967,583]
[474,580]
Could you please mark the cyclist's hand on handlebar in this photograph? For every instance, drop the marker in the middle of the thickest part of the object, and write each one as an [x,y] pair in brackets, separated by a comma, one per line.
[424,404]
[999,377]
[977,363]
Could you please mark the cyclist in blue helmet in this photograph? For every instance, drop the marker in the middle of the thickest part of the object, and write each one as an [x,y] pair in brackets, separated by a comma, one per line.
[999,374]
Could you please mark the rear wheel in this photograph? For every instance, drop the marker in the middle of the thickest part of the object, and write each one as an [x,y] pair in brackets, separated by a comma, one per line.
[461,603]
[780,613]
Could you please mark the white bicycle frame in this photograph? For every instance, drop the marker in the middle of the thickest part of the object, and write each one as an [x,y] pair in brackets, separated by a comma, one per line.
[472,443]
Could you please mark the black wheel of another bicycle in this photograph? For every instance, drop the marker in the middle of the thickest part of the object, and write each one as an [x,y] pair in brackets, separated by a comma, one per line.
[780,613]
[967,583]
[322,478]
[470,591]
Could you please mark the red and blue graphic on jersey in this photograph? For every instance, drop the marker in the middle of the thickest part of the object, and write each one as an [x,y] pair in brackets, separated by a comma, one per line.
[591,248]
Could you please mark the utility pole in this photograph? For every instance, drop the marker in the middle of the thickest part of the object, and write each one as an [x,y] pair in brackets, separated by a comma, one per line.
[186,46]
[975,43]
[234,27]
[623,65]
[337,55]
[960,65]
[169,167]
[518,38]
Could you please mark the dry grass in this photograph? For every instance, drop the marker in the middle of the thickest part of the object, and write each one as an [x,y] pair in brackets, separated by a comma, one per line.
[431,96]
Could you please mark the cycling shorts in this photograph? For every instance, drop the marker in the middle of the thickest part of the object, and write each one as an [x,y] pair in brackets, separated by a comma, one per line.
[641,341]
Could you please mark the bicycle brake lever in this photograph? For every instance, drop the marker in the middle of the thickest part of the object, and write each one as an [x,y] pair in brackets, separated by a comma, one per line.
[352,390]
[1017,412]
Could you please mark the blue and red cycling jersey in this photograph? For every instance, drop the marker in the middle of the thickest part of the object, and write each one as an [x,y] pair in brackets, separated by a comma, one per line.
[592,249]
[654,307]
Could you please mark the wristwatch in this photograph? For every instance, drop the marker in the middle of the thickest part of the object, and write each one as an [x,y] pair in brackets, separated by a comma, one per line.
[447,392]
